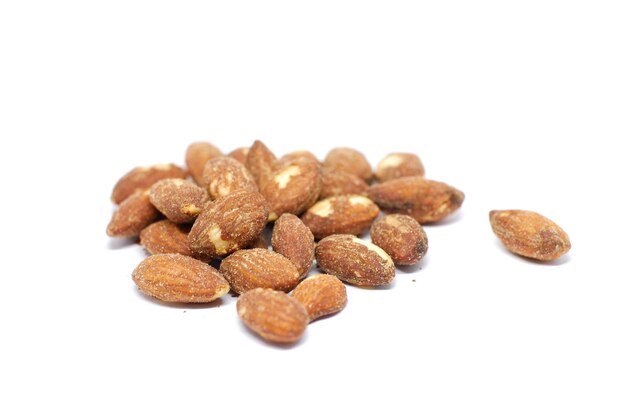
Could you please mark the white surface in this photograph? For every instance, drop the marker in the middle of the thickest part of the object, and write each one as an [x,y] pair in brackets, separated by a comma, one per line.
[518,105]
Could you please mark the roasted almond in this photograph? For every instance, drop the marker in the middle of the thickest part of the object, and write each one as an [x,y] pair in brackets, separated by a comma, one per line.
[321,295]
[143,178]
[134,214]
[179,279]
[298,156]
[196,157]
[261,162]
[402,237]
[294,240]
[179,200]
[240,154]
[349,160]
[397,165]
[224,175]
[165,236]
[340,183]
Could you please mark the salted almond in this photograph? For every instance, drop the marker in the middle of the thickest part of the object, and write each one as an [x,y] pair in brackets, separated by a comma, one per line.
[229,224]
[177,278]
[142,178]
[132,216]
[165,236]
[341,183]
[529,234]
[261,162]
[299,155]
[349,160]
[342,214]
[402,237]
[425,200]
[397,165]
[354,260]
[273,315]
[321,295]
[196,157]
[259,268]
[240,154]
[224,175]
[294,240]
[179,200]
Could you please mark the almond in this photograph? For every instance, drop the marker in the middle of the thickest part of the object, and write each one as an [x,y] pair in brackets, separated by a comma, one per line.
[402,237]
[349,160]
[259,268]
[179,200]
[143,178]
[273,315]
[165,236]
[224,175]
[240,154]
[177,278]
[299,155]
[342,214]
[261,162]
[134,214]
[340,183]
[397,165]
[354,261]
[529,234]
[196,157]
[229,224]
[292,239]
[321,295]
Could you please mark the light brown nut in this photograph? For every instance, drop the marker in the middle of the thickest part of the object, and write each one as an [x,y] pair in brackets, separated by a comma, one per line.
[529,234]
[229,224]
[259,268]
[261,162]
[299,155]
[292,239]
[142,178]
[397,165]
[179,200]
[425,200]
[240,154]
[349,160]
[292,187]
[224,175]
[321,295]
[402,237]
[134,214]
[340,183]
[196,157]
[165,236]
[177,278]
[341,214]
[354,260]
[273,315]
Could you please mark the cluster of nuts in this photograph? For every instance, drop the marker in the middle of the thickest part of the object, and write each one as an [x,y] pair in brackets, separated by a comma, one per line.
[219,218]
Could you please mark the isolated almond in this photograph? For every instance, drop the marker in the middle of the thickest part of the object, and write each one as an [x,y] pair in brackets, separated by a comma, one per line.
[134,214]
[294,240]
[340,183]
[261,162]
[529,234]
[179,200]
[165,236]
[425,200]
[179,279]
[143,178]
[402,237]
[224,175]
[240,154]
[228,224]
[342,214]
[354,260]
[321,295]
[273,315]
[397,165]
[349,160]
[259,268]
[196,157]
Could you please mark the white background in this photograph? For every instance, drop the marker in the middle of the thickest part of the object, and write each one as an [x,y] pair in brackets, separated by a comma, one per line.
[518,104]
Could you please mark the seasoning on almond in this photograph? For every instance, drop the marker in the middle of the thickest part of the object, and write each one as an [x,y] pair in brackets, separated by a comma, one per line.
[321,295]
[294,240]
[143,178]
[402,237]
[179,200]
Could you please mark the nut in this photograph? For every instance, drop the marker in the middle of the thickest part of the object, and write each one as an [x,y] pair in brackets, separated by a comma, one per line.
[340,183]
[349,160]
[179,200]
[134,214]
[143,178]
[196,157]
[402,237]
[165,236]
[240,154]
[260,162]
[224,175]
[321,295]
[292,239]
[299,155]
[397,165]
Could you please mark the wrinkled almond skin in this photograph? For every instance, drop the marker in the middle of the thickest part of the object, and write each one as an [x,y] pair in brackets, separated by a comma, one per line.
[143,178]
[229,224]
[355,261]
[273,315]
[425,200]
[259,268]
[132,216]
[397,165]
[340,183]
[196,157]
[165,236]
[240,154]
[349,160]
[179,200]
[224,175]
[402,237]
[529,234]
[342,214]
[321,295]
[177,278]
[261,162]
[294,240]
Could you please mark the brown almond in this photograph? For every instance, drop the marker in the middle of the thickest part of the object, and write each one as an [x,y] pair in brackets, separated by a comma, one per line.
[294,240]
[349,160]
[177,278]
[259,268]
[402,237]
[165,236]
[529,234]
[397,165]
[354,260]
[273,315]
[132,216]
[299,155]
[143,178]
[261,162]
[179,200]
[224,175]
[196,157]
[340,183]
[342,214]
[321,295]
[240,154]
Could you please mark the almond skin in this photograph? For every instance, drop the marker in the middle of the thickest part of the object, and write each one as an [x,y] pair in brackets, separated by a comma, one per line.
[229,224]
[299,155]
[349,160]
[425,200]
[397,165]
[354,261]
[165,236]
[342,214]
[294,240]
[240,154]
[224,175]
[179,200]
[196,157]
[321,295]
[261,162]
[273,315]
[133,215]
[259,268]
[529,234]
[177,278]
[402,237]
[143,178]
[340,183]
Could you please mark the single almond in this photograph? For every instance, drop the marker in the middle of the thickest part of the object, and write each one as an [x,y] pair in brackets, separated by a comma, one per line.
[196,157]
[133,215]
[402,237]
[261,162]
[321,295]
[165,236]
[142,178]
[240,154]
[299,156]
[340,183]
[349,160]
[179,200]
[294,240]
[224,175]
[397,165]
